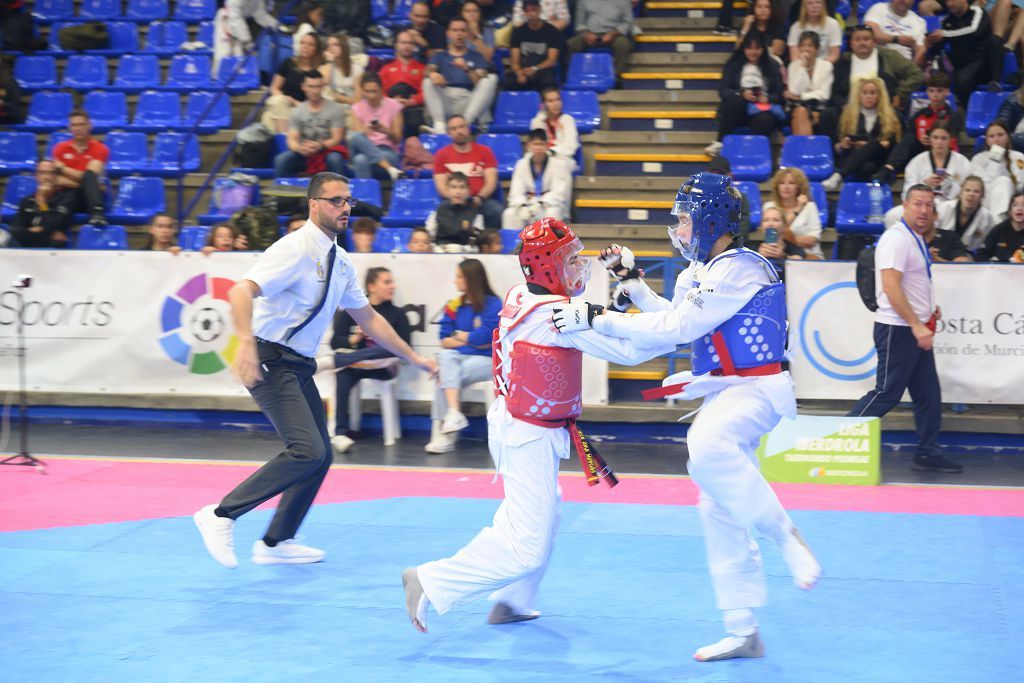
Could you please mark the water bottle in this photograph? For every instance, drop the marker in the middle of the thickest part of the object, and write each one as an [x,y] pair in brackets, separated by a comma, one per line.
[875,196]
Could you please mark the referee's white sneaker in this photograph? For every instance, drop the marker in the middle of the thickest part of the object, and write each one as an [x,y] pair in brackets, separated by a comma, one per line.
[454,421]
[285,552]
[218,535]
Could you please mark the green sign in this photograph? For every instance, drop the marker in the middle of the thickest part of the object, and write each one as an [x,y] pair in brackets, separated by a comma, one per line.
[823,450]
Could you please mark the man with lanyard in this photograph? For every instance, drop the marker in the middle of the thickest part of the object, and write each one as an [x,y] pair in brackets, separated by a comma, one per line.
[538,378]
[730,306]
[281,311]
[905,329]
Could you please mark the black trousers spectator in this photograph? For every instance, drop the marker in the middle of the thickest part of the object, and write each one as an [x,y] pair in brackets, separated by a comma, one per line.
[903,365]
[906,149]
[978,72]
[86,198]
[861,163]
[732,114]
[412,119]
[291,401]
[348,378]
[545,78]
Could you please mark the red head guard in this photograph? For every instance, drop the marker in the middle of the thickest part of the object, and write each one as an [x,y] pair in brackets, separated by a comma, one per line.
[549,258]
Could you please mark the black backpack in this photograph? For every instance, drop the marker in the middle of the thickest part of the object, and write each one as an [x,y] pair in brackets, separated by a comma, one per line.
[865,277]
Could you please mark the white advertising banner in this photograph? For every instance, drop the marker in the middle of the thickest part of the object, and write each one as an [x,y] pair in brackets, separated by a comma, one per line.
[157,324]
[979,343]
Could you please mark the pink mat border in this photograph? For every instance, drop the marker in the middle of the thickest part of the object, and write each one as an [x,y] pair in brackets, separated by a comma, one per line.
[81,491]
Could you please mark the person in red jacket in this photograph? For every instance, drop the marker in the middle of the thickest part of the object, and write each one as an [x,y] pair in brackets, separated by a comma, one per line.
[80,164]
[403,82]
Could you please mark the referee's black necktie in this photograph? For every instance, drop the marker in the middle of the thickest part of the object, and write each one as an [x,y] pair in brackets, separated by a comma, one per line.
[327,289]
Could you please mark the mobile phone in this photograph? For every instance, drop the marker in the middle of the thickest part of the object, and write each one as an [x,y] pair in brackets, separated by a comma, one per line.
[375,122]
[771,235]
[941,172]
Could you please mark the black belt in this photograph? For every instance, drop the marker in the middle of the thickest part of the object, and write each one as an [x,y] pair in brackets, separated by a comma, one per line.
[284,347]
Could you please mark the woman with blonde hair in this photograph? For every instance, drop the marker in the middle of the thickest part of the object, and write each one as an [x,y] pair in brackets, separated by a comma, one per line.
[791,195]
[286,85]
[868,129]
[814,17]
[341,74]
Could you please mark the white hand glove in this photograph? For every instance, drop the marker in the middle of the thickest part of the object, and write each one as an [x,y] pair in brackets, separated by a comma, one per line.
[620,262]
[574,316]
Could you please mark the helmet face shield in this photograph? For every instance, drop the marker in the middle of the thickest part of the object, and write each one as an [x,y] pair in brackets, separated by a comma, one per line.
[681,234]
[572,268]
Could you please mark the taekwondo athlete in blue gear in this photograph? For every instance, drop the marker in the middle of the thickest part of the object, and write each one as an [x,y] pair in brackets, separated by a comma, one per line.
[730,305]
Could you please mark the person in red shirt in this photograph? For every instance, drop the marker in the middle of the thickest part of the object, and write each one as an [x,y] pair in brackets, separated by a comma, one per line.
[80,164]
[403,82]
[477,162]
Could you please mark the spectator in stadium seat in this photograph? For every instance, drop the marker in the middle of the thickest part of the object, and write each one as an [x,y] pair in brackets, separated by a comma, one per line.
[477,162]
[534,53]
[939,167]
[419,242]
[1011,112]
[791,194]
[12,109]
[163,234]
[810,86]
[364,232]
[604,24]
[489,242]
[555,12]
[224,237]
[541,186]
[1006,240]
[764,16]
[286,87]
[751,92]
[974,51]
[341,75]
[563,137]
[1000,168]
[295,221]
[966,216]
[309,18]
[945,246]
[232,35]
[315,131]
[377,131]
[868,130]
[459,81]
[456,221]
[428,35]
[402,79]
[813,17]
[777,250]
[897,27]
[43,219]
[80,164]
[479,35]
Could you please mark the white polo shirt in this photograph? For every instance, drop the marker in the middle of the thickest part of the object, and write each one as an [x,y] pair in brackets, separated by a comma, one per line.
[291,275]
[910,24]
[900,248]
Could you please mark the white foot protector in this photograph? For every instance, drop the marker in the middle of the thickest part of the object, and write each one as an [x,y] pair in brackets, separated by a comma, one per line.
[802,563]
[416,601]
[731,647]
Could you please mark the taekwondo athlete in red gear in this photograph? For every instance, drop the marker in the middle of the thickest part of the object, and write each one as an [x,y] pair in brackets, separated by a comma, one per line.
[730,304]
[538,389]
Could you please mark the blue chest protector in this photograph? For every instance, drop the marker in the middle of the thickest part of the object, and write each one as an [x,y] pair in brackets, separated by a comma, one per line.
[755,336]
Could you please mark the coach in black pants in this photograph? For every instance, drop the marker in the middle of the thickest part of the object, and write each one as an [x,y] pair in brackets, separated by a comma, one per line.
[281,311]
[905,328]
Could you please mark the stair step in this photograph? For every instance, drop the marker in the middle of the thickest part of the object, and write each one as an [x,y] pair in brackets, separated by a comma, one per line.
[654,120]
[684,42]
[642,211]
[671,80]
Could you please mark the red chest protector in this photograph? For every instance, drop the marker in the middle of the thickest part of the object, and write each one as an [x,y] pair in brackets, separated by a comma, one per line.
[545,383]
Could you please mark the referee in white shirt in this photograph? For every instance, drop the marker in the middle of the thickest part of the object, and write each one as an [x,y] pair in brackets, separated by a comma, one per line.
[905,328]
[281,311]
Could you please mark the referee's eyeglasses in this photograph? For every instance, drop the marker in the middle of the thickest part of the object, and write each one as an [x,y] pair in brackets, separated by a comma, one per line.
[338,202]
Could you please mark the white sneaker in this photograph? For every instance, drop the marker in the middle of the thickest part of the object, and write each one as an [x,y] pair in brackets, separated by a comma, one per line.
[832,183]
[218,535]
[713,149]
[285,552]
[341,443]
[802,563]
[731,647]
[395,173]
[442,443]
[454,421]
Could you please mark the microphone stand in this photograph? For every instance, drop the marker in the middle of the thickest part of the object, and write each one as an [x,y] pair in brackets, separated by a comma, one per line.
[23,457]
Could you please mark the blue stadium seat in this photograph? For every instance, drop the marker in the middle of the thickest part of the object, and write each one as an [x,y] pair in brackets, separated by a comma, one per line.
[583,106]
[129,153]
[215,214]
[412,200]
[378,10]
[365,190]
[749,155]
[1010,65]
[193,237]
[113,237]
[591,71]
[55,137]
[431,142]
[88,237]
[812,154]
[864,5]
[124,39]
[146,11]
[99,10]
[205,34]
[982,109]
[219,116]
[167,158]
[507,149]
[107,109]
[137,72]
[392,240]
[85,72]
[192,11]
[820,199]
[854,206]
[514,111]
[17,152]
[46,11]
[509,241]
[272,49]
[18,187]
[35,72]
[165,37]
[47,110]
[157,111]
[188,72]
[245,79]
[400,11]
[137,200]
[753,194]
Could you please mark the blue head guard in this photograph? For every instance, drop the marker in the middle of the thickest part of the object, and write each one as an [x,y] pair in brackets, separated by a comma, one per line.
[713,207]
